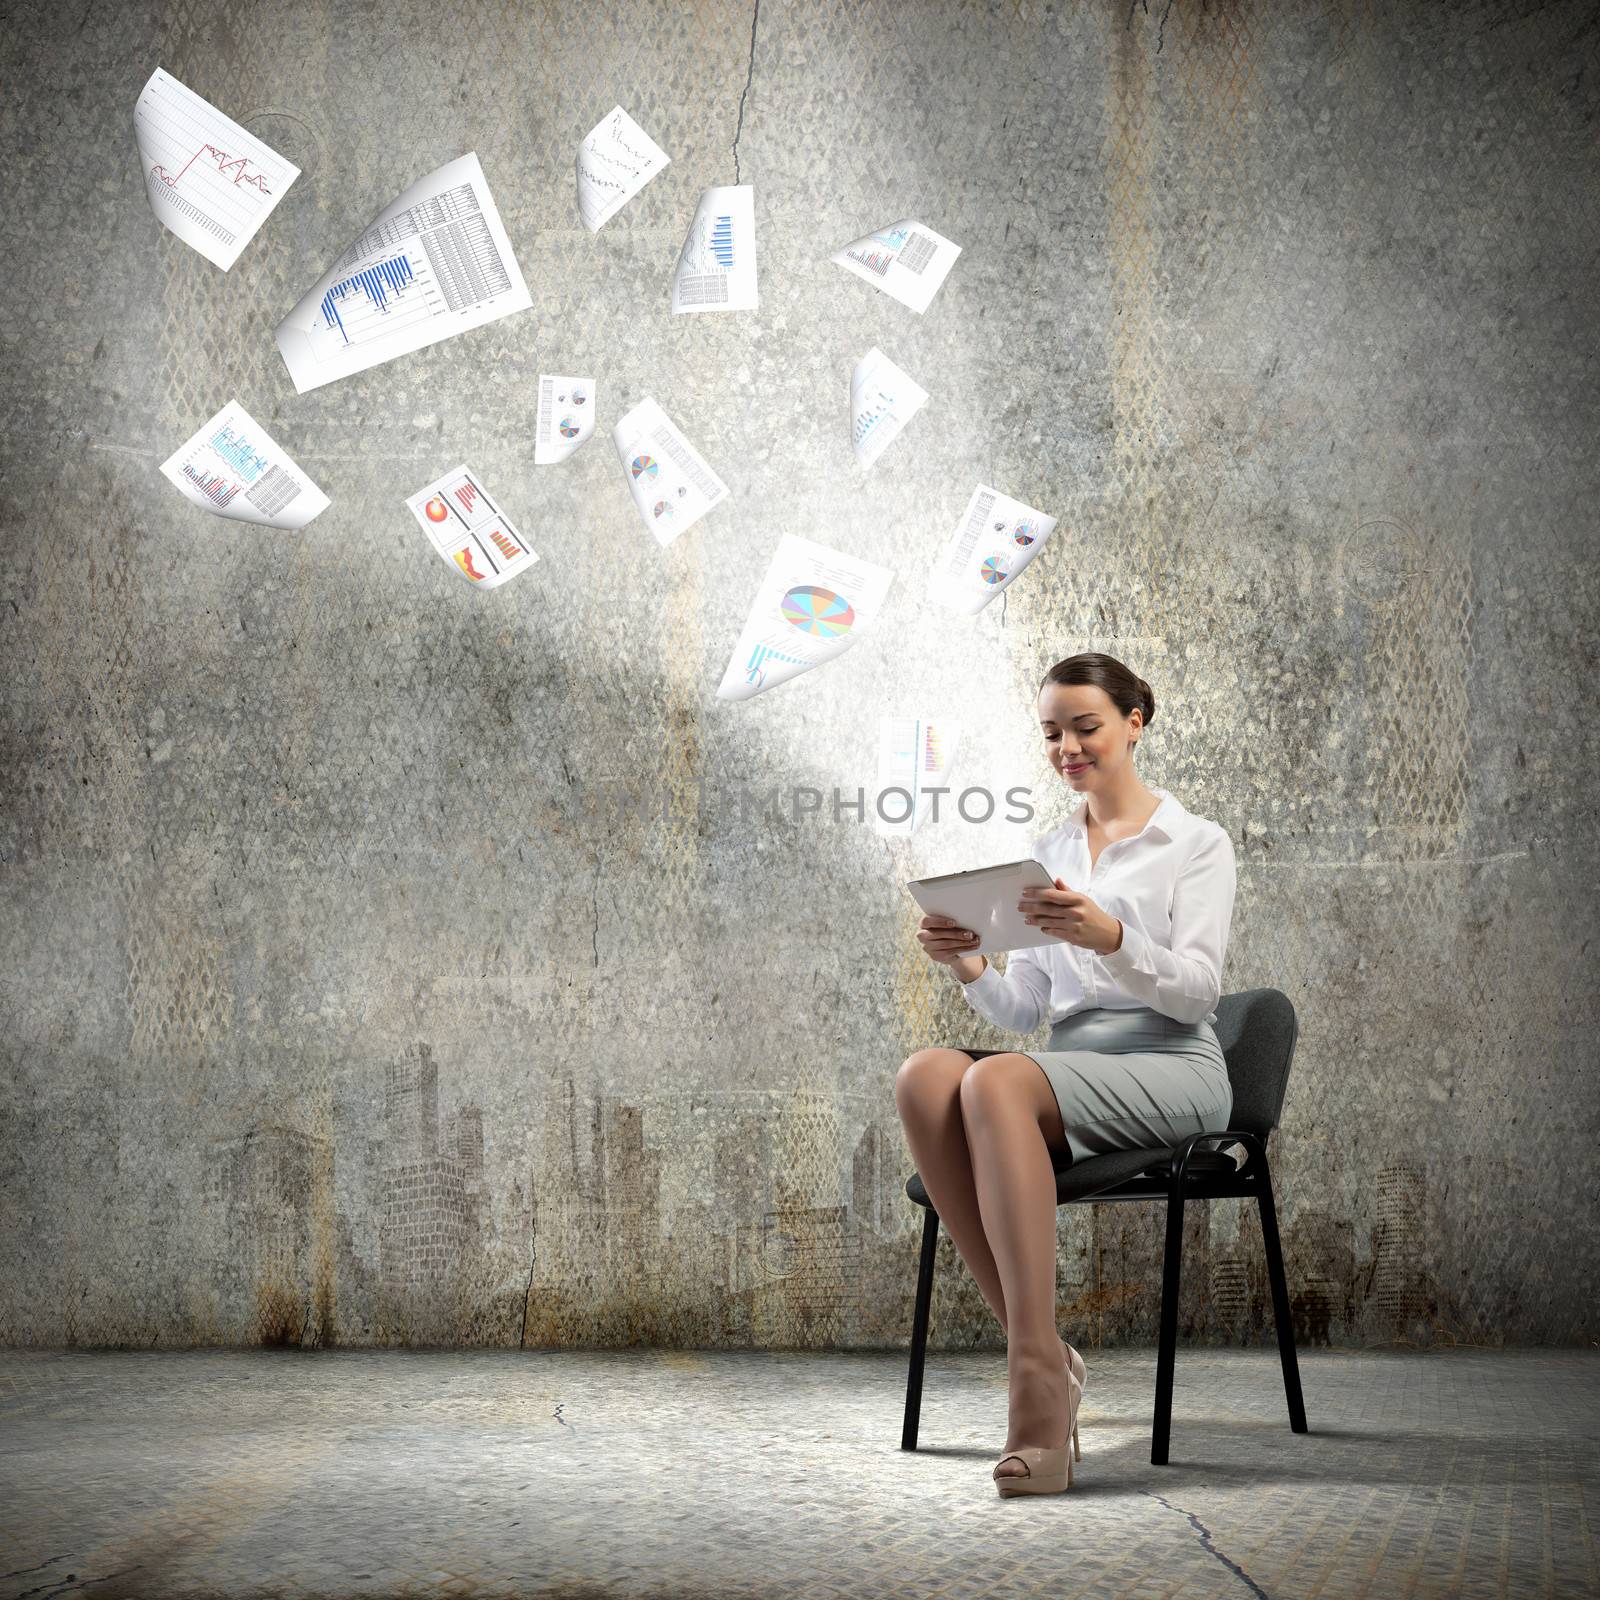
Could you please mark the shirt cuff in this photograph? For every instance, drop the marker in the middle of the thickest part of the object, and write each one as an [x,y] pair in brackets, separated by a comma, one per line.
[985,982]
[1133,956]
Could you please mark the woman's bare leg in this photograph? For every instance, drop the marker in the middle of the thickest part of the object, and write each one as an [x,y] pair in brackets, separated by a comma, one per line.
[927,1090]
[1012,1123]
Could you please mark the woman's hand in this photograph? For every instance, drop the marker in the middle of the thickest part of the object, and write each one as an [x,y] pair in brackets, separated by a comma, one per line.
[1072,917]
[944,941]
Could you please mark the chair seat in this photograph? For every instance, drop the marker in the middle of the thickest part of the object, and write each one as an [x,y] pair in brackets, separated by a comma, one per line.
[1081,1179]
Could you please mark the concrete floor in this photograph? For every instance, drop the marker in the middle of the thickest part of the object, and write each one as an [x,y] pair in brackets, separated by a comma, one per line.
[661,1473]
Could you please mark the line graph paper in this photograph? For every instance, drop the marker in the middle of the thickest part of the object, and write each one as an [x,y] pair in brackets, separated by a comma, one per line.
[210,181]
[615,161]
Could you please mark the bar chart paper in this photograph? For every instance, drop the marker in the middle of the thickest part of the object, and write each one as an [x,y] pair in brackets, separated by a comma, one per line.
[469,530]
[915,755]
[813,605]
[209,181]
[236,469]
[435,262]
[717,264]
[882,401]
[908,261]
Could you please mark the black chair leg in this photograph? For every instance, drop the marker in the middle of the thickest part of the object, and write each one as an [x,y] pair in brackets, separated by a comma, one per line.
[1167,1353]
[1280,1302]
[919,1331]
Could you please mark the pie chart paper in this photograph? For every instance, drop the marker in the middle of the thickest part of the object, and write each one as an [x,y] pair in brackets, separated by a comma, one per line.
[814,603]
[566,417]
[996,538]
[672,484]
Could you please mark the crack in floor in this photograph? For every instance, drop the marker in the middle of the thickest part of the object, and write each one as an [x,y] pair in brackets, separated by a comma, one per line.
[1206,1543]
[749,78]
[73,1581]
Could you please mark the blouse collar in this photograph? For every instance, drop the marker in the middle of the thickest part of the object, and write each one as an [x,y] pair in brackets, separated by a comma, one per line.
[1163,820]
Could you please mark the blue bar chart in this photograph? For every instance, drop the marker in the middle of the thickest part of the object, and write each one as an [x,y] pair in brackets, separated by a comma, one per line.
[239,453]
[377,283]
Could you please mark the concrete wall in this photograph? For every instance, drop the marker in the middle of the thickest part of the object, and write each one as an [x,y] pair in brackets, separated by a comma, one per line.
[388,961]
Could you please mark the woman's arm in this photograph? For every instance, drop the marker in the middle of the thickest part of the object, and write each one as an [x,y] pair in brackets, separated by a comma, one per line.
[1017,1001]
[1185,982]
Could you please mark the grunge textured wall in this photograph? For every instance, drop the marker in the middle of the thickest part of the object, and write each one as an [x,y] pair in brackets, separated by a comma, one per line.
[384,961]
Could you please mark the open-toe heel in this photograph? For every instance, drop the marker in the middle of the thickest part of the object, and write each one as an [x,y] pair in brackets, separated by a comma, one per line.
[1048,1471]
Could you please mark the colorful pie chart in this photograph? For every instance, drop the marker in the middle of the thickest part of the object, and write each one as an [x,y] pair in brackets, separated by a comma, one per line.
[1023,534]
[436,510]
[664,508]
[578,396]
[569,427]
[819,612]
[645,467]
[995,569]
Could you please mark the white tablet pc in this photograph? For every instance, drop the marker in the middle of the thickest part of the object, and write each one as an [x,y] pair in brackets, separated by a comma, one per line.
[985,900]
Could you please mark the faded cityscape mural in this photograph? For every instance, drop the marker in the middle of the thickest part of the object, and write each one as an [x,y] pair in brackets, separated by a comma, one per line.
[387,962]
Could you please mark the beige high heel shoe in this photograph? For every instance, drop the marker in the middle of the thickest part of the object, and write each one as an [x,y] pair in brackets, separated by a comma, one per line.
[1079,1374]
[1047,1471]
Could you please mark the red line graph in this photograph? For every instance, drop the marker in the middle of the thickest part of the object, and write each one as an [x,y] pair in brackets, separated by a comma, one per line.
[227,167]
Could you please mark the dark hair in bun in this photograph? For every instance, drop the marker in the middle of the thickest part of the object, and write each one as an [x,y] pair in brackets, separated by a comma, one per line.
[1126,688]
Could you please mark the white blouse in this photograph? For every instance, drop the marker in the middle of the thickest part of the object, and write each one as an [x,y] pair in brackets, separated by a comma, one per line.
[1172,886]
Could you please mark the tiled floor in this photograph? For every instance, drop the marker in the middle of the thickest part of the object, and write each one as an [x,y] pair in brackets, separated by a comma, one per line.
[651,1473]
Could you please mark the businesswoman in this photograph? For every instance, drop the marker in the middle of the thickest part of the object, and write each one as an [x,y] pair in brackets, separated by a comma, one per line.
[1138,923]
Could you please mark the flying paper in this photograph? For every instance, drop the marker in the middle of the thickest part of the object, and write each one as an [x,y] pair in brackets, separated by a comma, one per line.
[914,757]
[908,261]
[434,263]
[566,417]
[996,538]
[814,603]
[882,401]
[670,482]
[469,530]
[615,162]
[717,265]
[236,469]
[209,181]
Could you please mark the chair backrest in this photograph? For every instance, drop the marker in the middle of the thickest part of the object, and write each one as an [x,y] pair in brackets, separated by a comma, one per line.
[1257,1029]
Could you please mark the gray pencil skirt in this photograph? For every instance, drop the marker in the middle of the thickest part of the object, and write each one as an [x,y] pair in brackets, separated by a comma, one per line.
[1134,1080]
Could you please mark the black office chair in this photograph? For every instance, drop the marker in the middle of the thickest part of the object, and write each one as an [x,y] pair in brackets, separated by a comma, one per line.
[1257,1030]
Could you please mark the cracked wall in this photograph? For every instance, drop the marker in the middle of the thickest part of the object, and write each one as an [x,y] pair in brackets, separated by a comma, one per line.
[387,962]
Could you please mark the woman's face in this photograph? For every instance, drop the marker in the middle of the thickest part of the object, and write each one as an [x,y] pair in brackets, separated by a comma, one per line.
[1085,736]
